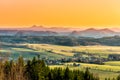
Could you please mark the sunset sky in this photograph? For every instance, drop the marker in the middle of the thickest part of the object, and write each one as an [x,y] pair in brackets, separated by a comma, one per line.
[66,13]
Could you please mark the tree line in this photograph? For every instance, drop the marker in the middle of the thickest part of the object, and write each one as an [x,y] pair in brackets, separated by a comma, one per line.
[36,69]
[62,40]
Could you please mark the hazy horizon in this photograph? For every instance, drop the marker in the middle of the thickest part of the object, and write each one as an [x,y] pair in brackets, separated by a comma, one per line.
[117,29]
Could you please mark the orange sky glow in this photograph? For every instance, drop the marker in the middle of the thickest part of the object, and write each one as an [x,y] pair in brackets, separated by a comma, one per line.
[67,13]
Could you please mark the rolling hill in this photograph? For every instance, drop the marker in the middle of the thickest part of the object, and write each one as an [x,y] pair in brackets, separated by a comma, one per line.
[53,31]
[91,32]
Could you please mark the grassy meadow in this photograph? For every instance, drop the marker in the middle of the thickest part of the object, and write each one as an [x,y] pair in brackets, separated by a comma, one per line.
[102,51]
[60,51]
[113,63]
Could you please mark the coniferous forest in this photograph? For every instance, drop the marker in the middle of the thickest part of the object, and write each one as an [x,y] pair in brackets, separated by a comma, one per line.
[36,69]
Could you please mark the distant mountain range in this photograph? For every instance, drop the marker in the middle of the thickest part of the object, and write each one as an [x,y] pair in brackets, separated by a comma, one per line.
[43,31]
[91,32]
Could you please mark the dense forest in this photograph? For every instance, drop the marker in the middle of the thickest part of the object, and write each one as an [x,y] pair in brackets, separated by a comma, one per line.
[36,69]
[62,40]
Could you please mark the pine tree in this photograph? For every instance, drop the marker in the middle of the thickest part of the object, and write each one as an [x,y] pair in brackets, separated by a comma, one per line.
[6,70]
[20,68]
[50,77]
[118,78]
[59,76]
[67,74]
[87,75]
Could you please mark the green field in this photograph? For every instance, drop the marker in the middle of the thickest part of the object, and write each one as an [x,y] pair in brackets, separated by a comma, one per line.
[102,51]
[56,51]
[15,52]
[113,63]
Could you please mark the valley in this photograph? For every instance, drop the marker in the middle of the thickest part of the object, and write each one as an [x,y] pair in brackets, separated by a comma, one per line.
[63,56]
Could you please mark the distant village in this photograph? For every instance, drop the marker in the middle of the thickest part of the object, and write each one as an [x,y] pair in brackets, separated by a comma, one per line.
[89,59]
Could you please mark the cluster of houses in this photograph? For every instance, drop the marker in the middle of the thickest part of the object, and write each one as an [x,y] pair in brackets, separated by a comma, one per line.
[114,57]
[89,59]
